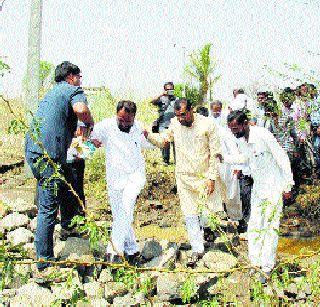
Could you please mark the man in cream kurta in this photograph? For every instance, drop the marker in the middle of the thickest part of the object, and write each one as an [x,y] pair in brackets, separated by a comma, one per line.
[196,145]
[271,172]
[123,140]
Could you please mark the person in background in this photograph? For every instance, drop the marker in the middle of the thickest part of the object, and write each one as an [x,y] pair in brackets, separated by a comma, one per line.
[123,139]
[165,103]
[203,111]
[272,180]
[56,122]
[197,148]
[218,116]
[241,101]
[316,150]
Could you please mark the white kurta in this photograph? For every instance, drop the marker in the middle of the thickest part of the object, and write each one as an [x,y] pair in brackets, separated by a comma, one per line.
[271,172]
[125,174]
[226,171]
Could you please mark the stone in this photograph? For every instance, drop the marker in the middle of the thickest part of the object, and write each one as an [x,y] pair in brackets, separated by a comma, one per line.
[62,291]
[73,247]
[105,276]
[114,289]
[20,236]
[151,249]
[14,221]
[292,288]
[32,294]
[130,300]
[30,250]
[98,302]
[33,224]
[169,286]
[218,261]
[278,290]
[94,290]
[165,260]
[21,205]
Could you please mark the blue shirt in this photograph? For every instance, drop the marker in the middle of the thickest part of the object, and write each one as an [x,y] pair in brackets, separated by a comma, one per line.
[58,122]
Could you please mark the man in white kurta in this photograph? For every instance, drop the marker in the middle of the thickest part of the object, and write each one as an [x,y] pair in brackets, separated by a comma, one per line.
[197,145]
[123,140]
[227,171]
[271,172]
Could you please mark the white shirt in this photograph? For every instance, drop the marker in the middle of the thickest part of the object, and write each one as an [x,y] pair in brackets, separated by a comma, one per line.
[268,162]
[124,158]
[241,101]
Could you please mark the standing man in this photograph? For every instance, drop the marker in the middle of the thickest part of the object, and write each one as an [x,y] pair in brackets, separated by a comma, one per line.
[271,172]
[165,103]
[197,146]
[56,123]
[228,172]
[126,176]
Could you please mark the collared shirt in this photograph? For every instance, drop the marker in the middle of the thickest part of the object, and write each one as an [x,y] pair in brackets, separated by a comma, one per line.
[269,164]
[166,110]
[57,121]
[124,158]
[196,146]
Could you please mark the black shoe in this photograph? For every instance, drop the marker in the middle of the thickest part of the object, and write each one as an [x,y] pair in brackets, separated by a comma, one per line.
[112,258]
[135,260]
[193,259]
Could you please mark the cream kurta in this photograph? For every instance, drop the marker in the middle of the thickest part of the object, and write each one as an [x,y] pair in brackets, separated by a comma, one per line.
[196,148]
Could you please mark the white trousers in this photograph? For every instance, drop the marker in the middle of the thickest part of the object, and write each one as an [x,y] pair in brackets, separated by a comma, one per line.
[194,233]
[263,229]
[122,207]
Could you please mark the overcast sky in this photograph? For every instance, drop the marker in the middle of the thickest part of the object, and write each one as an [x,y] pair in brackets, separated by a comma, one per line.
[138,45]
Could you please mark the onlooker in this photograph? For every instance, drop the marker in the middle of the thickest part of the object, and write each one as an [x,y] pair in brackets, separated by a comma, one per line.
[165,103]
[241,101]
[56,122]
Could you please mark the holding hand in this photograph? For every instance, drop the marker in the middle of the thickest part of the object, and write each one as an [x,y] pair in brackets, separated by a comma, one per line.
[96,143]
[210,186]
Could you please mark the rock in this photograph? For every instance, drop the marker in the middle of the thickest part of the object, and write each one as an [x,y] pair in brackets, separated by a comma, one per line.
[105,276]
[63,292]
[128,300]
[169,286]
[151,249]
[21,205]
[278,290]
[74,248]
[8,293]
[14,221]
[30,250]
[33,224]
[292,288]
[165,260]
[218,261]
[96,302]
[114,289]
[93,290]
[32,294]
[20,236]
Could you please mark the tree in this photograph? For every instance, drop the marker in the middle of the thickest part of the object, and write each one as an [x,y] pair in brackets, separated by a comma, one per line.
[201,68]
[45,71]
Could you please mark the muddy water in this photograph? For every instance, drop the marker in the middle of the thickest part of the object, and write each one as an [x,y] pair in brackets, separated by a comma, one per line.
[287,246]
[296,246]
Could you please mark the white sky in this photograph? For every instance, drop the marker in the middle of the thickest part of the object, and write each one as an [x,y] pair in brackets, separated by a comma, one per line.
[129,45]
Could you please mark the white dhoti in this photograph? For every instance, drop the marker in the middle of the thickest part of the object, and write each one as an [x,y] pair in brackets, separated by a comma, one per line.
[263,229]
[122,206]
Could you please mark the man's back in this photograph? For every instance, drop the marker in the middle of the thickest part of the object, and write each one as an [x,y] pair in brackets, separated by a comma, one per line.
[56,120]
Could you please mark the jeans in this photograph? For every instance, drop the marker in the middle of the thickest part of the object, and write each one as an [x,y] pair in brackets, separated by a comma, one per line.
[51,195]
[166,153]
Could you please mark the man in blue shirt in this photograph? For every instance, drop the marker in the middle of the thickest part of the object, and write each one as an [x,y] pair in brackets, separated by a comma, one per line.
[54,126]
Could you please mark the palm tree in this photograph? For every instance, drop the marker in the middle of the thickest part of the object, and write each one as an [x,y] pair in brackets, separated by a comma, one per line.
[200,68]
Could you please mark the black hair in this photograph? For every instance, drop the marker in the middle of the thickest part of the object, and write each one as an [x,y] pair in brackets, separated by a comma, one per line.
[177,104]
[64,69]
[240,91]
[168,83]
[129,106]
[239,115]
[203,111]
[216,103]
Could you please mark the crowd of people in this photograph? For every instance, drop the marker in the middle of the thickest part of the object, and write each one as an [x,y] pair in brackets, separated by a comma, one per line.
[247,157]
